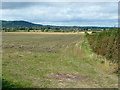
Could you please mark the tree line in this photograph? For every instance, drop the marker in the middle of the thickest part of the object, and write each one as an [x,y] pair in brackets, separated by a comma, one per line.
[52,29]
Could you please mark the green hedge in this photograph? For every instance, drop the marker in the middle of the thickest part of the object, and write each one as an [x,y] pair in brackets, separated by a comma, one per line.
[105,43]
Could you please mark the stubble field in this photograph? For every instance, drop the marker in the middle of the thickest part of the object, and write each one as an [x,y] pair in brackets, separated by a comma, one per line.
[53,61]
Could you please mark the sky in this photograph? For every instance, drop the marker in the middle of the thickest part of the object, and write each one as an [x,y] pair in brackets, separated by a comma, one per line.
[62,13]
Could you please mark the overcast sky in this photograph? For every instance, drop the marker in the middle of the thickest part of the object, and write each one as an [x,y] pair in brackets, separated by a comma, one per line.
[63,13]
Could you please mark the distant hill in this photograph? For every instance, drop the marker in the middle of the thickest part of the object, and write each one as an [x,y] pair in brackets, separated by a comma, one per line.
[13,24]
[9,24]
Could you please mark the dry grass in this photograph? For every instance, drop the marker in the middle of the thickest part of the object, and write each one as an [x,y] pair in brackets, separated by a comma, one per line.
[46,32]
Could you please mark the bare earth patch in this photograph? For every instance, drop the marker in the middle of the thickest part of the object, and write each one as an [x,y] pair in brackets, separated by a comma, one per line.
[68,77]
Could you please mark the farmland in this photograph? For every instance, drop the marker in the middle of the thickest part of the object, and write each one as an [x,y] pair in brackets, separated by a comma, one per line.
[54,60]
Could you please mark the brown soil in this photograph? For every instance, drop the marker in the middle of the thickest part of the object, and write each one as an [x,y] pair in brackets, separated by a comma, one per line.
[68,77]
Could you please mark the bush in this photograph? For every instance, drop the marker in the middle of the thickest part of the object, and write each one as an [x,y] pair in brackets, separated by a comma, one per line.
[105,43]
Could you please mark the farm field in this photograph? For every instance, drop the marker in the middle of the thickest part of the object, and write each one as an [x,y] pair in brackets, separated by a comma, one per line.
[50,60]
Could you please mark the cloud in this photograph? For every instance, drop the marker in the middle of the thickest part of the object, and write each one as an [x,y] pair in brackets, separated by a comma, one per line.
[16,5]
[62,13]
